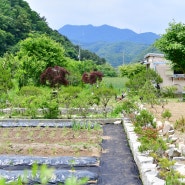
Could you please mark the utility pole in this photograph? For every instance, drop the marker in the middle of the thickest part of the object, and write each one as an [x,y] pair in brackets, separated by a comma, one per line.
[123,58]
[79,54]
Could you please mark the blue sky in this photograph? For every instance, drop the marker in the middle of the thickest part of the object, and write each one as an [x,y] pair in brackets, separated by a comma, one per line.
[138,15]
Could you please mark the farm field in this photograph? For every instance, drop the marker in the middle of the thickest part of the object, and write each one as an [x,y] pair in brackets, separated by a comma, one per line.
[117,82]
[39,141]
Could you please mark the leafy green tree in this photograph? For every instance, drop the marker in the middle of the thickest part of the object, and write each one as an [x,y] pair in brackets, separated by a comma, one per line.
[130,70]
[12,63]
[75,77]
[84,101]
[37,53]
[17,21]
[138,81]
[172,43]
[107,70]
[87,55]
[66,97]
[104,94]
[149,93]
[77,68]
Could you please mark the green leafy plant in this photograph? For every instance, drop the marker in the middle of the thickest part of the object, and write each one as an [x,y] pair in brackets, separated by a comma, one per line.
[149,93]
[167,171]
[180,124]
[75,181]
[45,174]
[127,107]
[76,125]
[145,118]
[51,109]
[169,91]
[166,114]
[30,91]
[32,104]
[157,145]
[43,171]
[72,164]
[148,132]
[104,94]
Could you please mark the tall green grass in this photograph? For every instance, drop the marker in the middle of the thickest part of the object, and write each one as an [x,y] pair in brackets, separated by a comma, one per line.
[116,82]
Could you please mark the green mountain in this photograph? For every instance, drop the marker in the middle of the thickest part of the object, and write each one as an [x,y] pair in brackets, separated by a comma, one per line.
[18,21]
[105,33]
[118,53]
[116,45]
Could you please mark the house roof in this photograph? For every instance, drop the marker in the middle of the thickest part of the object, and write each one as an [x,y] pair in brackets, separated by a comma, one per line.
[153,55]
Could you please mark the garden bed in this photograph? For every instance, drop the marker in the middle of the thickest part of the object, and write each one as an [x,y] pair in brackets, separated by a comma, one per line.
[40,141]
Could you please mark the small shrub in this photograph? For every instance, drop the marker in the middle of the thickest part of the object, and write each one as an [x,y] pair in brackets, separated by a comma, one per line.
[180,124]
[126,106]
[167,172]
[169,91]
[52,109]
[151,133]
[166,114]
[145,118]
[32,104]
[153,145]
[30,91]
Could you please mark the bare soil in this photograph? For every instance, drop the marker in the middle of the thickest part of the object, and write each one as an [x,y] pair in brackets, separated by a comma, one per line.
[41,141]
[177,110]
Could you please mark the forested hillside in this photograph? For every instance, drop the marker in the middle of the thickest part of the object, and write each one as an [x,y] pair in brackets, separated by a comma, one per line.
[120,52]
[116,45]
[17,21]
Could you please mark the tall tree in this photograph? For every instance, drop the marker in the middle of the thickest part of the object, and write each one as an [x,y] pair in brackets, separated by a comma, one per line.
[37,53]
[130,70]
[137,82]
[172,43]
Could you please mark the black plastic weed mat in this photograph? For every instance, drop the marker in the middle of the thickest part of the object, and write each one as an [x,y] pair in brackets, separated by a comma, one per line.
[13,167]
[18,161]
[58,176]
[35,123]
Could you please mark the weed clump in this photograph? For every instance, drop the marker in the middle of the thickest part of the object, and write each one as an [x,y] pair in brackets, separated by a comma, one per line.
[180,124]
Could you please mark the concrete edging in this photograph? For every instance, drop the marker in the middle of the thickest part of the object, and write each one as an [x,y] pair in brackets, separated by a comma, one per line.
[148,170]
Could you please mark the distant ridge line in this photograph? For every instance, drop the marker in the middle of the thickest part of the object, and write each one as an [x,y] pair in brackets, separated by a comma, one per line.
[105,33]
